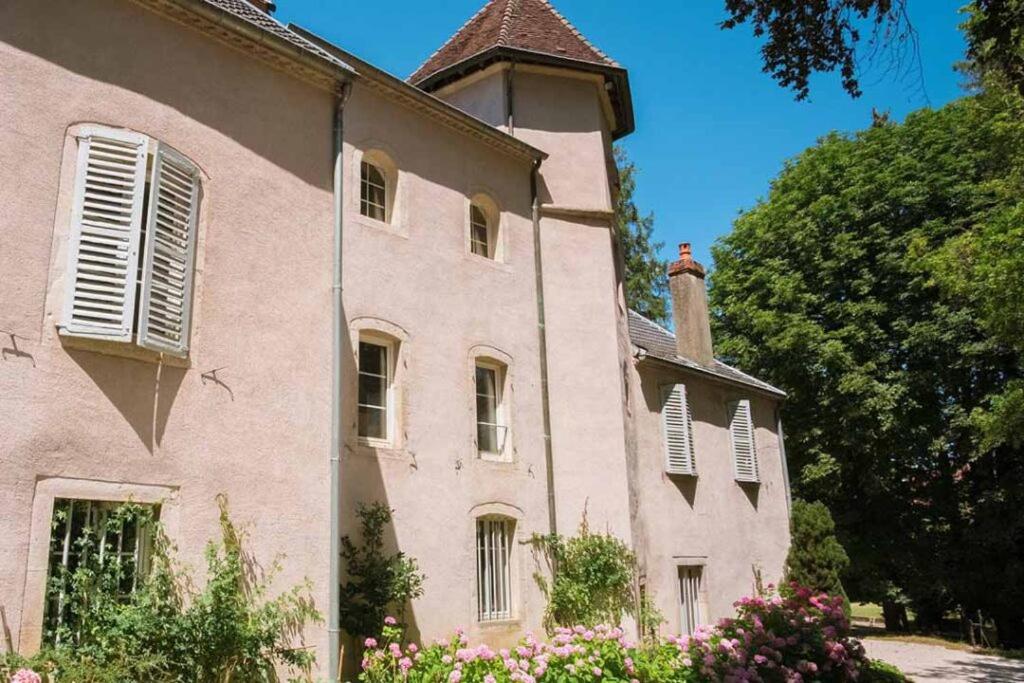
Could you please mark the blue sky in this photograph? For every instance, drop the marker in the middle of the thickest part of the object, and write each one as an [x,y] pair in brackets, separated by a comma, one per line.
[712,130]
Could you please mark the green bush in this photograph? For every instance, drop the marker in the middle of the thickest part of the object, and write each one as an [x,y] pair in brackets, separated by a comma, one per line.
[875,671]
[376,582]
[166,631]
[816,559]
[594,581]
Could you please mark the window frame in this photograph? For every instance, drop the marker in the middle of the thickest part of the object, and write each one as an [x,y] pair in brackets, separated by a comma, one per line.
[489,246]
[486,586]
[501,425]
[390,347]
[365,183]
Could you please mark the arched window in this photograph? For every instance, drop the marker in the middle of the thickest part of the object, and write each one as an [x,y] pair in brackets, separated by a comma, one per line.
[479,232]
[373,198]
[495,543]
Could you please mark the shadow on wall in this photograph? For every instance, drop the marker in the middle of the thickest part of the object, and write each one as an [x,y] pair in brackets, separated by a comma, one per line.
[142,392]
[362,482]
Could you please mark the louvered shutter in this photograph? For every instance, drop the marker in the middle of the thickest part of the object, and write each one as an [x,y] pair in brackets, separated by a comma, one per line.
[741,432]
[106,222]
[170,248]
[678,430]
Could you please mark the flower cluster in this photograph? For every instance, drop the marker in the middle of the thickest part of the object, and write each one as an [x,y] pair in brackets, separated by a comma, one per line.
[26,676]
[796,638]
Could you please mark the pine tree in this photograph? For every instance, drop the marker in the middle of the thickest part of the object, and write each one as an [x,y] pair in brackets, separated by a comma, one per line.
[645,276]
[816,559]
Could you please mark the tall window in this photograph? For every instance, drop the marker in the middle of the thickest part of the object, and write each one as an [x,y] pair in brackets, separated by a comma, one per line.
[741,435]
[690,596]
[494,543]
[111,540]
[479,232]
[132,241]
[491,431]
[375,392]
[373,194]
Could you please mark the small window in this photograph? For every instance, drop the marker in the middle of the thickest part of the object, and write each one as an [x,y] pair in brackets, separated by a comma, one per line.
[479,232]
[374,192]
[494,543]
[741,435]
[690,591]
[375,390]
[132,242]
[491,430]
[111,540]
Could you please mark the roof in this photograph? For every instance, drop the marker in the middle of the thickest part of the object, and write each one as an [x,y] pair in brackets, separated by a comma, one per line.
[263,22]
[659,343]
[532,25]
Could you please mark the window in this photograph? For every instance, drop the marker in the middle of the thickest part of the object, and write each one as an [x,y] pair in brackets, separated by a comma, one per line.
[491,433]
[677,425]
[132,242]
[741,434]
[375,390]
[111,539]
[689,599]
[479,232]
[373,194]
[494,541]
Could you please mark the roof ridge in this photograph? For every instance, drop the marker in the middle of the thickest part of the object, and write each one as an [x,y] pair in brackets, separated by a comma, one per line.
[455,35]
[506,21]
[576,32]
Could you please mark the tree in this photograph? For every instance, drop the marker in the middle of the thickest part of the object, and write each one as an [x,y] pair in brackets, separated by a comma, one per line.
[840,288]
[995,41]
[645,277]
[377,582]
[816,559]
[804,37]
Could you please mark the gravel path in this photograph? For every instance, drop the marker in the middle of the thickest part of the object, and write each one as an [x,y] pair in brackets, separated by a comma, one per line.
[935,664]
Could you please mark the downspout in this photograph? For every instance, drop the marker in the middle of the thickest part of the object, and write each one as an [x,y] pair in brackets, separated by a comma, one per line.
[782,456]
[543,340]
[334,587]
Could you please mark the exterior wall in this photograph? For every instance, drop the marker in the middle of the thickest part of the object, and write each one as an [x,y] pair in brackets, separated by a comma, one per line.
[482,94]
[710,520]
[94,423]
[416,281]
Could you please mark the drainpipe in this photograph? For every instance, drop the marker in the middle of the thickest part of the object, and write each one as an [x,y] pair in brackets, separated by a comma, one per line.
[334,587]
[785,465]
[543,339]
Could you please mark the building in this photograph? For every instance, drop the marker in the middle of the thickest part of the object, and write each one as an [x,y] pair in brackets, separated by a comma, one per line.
[169,261]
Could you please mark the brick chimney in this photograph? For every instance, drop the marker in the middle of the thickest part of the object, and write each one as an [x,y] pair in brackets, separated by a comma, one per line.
[690,307]
[267,6]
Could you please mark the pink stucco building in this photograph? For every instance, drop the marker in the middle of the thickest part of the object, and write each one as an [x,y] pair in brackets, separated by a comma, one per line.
[237,259]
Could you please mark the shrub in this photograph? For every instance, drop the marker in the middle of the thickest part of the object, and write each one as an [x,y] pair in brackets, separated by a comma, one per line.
[816,559]
[594,580]
[875,671]
[168,632]
[376,582]
[799,636]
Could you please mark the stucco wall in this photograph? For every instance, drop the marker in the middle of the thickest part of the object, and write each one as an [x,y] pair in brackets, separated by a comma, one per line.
[710,520]
[261,310]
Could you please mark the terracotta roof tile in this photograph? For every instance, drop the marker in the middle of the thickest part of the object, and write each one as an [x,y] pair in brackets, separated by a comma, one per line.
[525,24]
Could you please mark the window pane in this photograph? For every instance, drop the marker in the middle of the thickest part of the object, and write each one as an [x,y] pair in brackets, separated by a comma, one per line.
[487,437]
[372,391]
[372,422]
[494,542]
[373,193]
[479,235]
[487,427]
[485,381]
[372,358]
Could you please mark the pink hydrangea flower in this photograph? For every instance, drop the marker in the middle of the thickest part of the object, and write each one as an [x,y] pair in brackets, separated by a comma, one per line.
[370,642]
[26,676]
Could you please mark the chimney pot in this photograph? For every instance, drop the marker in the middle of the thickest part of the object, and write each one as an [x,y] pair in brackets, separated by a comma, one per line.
[690,307]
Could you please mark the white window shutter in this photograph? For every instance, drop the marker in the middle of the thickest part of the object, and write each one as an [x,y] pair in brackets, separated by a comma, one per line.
[677,424]
[741,432]
[170,249]
[106,219]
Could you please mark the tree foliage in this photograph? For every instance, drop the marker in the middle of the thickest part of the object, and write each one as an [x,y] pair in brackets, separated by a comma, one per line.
[645,277]
[377,582]
[995,40]
[868,286]
[807,36]
[816,559]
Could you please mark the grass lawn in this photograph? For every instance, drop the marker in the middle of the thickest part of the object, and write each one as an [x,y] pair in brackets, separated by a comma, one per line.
[866,610]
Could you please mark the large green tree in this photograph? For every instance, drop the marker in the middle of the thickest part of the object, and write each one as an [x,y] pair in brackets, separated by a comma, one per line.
[645,277]
[845,288]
